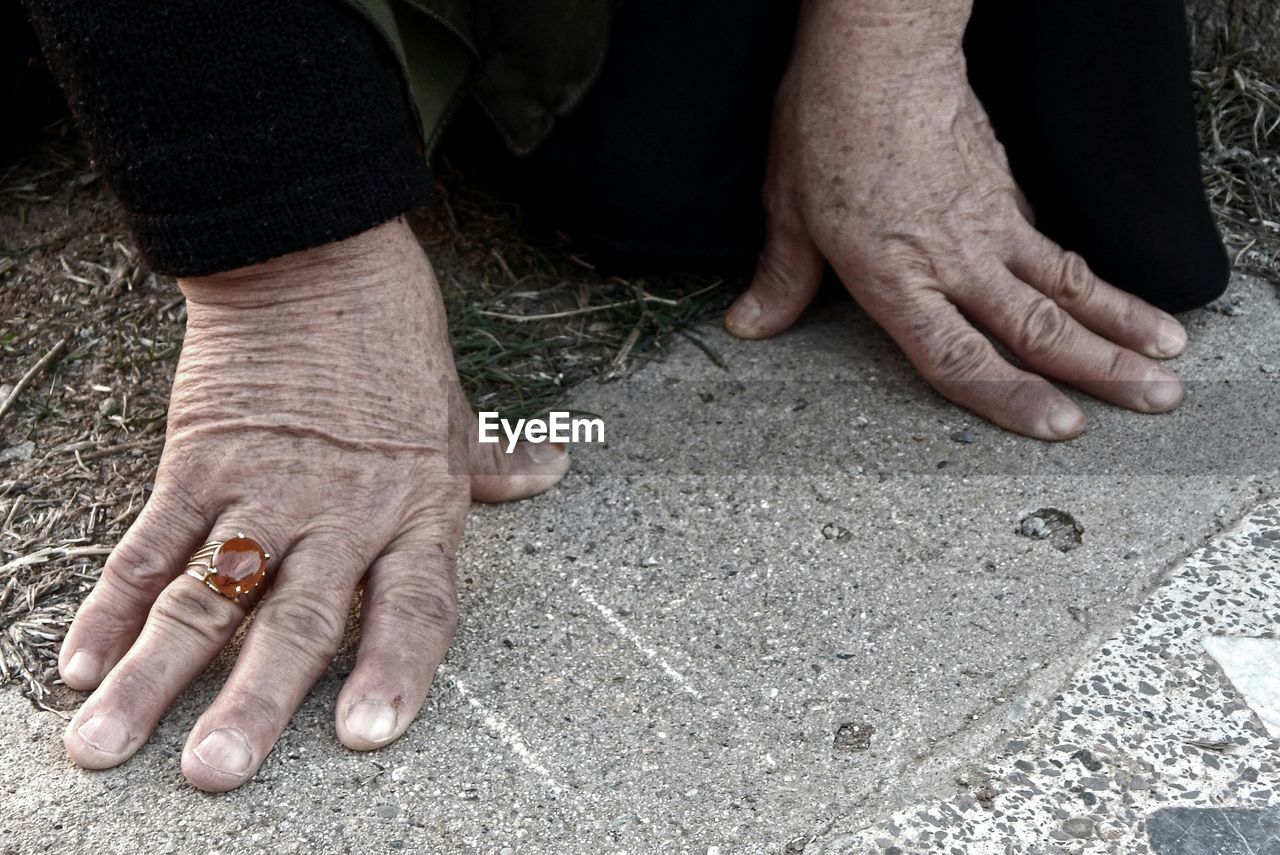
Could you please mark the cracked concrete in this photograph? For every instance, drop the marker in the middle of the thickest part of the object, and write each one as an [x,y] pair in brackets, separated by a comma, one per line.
[783,598]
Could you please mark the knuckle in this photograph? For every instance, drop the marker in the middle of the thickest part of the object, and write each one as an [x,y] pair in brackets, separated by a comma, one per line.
[250,704]
[1118,365]
[775,269]
[189,611]
[1075,284]
[137,567]
[911,257]
[959,356]
[426,601]
[307,625]
[346,554]
[134,684]
[495,459]
[132,570]
[327,543]
[174,499]
[1043,329]
[1135,315]
[440,516]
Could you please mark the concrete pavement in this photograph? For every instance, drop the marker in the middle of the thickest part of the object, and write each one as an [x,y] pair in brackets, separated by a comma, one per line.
[793,604]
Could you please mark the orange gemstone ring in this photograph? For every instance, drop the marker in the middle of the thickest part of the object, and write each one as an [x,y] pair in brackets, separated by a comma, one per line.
[230,567]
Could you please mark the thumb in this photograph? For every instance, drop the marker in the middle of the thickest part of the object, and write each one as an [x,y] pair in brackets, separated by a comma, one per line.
[529,468]
[787,277]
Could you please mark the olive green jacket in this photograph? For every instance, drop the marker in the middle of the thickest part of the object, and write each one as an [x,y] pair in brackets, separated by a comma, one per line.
[527,62]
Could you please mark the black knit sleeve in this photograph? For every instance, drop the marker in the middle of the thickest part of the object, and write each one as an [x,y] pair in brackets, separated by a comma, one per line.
[235,131]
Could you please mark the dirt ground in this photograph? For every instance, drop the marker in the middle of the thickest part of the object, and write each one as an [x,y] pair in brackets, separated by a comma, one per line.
[89,339]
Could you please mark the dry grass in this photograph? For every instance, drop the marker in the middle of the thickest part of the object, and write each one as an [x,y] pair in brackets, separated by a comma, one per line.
[529,319]
[1238,109]
[79,443]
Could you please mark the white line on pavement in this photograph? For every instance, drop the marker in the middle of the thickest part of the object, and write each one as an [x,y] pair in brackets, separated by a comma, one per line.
[504,731]
[626,632]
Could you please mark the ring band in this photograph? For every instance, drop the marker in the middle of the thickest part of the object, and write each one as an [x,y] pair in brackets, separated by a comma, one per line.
[231,567]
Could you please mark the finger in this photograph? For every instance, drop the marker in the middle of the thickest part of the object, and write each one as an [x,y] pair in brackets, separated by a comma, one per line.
[149,556]
[501,476]
[294,636]
[408,616]
[964,367]
[787,277]
[188,626]
[1065,278]
[1046,339]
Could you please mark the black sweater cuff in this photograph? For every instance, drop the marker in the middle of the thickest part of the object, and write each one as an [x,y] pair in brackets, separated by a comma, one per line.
[307,212]
[237,131]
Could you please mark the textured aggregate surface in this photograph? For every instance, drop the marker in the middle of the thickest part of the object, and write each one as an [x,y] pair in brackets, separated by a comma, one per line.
[1151,748]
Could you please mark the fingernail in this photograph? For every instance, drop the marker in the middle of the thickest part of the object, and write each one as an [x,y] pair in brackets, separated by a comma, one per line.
[106,732]
[225,750]
[372,721]
[1163,392]
[1171,339]
[745,313]
[83,668]
[543,453]
[1065,420]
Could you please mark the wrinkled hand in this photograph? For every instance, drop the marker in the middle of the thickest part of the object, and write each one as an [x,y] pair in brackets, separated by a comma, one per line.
[883,164]
[316,409]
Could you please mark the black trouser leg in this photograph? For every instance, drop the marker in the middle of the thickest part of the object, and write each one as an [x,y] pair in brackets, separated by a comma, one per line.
[1092,99]
[663,159]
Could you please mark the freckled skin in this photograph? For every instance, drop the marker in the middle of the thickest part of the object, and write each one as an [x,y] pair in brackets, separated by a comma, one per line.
[884,166]
[316,409]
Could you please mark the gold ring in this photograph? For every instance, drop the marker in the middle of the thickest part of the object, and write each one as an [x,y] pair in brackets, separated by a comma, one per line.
[230,567]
